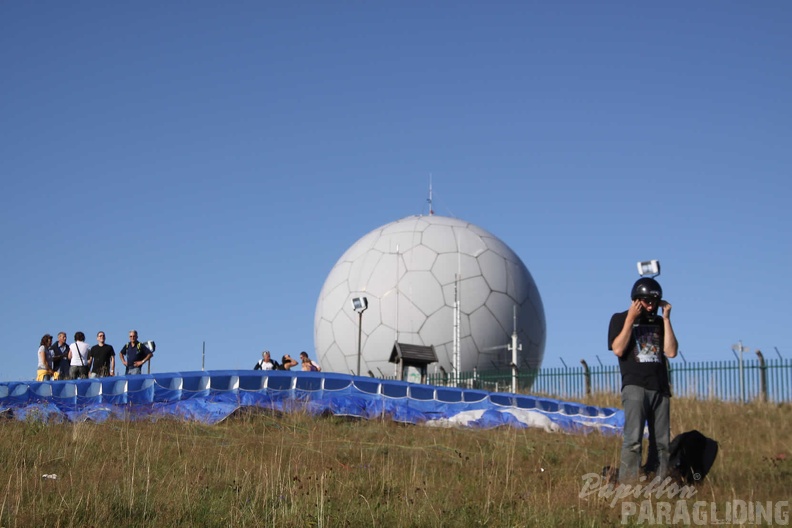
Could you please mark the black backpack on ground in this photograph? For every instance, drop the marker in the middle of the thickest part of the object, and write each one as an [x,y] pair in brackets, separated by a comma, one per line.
[691,456]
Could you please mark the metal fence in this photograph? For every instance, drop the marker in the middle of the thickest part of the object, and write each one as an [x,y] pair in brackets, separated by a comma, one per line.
[754,380]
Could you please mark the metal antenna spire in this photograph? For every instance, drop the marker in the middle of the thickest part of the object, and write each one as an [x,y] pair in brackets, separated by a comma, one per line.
[431,211]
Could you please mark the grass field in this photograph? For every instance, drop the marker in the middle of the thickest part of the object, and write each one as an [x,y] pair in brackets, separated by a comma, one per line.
[261,469]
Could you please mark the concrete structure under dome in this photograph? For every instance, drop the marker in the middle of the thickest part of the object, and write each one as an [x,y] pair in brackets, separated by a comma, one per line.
[407,270]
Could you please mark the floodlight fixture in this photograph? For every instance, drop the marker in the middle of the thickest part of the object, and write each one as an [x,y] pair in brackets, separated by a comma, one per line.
[359,304]
[649,267]
[151,345]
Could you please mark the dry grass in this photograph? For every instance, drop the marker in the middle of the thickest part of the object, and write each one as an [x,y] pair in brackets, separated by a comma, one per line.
[258,469]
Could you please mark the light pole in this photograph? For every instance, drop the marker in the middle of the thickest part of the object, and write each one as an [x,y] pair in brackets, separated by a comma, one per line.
[514,347]
[359,304]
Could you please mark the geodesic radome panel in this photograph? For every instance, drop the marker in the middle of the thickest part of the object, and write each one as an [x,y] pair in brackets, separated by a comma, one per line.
[408,271]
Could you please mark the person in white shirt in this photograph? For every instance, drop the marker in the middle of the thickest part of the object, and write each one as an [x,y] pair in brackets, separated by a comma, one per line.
[266,363]
[44,370]
[78,357]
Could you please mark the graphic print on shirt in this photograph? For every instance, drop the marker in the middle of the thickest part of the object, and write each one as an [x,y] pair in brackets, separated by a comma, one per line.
[648,348]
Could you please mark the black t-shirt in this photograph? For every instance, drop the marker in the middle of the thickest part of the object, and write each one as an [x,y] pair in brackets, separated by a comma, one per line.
[101,357]
[644,363]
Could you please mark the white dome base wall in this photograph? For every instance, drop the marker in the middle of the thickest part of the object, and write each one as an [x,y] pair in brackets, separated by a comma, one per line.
[407,270]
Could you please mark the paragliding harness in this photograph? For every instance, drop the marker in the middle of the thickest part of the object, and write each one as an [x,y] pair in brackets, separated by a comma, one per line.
[691,456]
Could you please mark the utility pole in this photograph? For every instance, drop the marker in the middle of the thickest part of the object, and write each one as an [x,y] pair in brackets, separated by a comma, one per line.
[740,348]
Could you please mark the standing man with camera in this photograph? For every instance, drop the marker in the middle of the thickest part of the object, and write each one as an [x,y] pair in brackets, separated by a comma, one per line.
[644,341]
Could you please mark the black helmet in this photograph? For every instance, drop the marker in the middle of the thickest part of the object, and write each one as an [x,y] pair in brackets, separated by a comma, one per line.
[646,288]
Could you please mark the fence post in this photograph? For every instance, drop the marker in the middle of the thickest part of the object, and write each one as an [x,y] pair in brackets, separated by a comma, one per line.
[762,375]
[586,376]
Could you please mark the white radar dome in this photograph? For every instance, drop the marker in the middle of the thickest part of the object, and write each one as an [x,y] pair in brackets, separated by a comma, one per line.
[413,273]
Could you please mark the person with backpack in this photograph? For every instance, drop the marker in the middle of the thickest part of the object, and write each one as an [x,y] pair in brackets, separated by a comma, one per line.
[135,354]
[644,341]
[267,363]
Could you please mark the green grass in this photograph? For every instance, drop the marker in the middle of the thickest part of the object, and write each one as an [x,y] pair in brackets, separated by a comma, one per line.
[259,469]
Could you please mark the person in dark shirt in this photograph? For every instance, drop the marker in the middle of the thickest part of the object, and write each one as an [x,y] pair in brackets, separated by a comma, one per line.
[101,358]
[135,354]
[287,362]
[644,341]
[60,358]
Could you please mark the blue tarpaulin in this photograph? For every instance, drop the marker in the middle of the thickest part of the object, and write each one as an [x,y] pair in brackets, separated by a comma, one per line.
[211,396]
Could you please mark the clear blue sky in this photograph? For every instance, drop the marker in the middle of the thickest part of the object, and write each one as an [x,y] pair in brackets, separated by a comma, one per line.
[195,169]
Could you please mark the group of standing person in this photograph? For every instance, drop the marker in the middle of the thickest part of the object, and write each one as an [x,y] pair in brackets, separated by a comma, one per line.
[287,362]
[78,360]
[642,338]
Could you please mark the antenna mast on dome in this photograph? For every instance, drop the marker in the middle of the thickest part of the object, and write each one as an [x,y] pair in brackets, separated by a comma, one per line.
[431,211]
